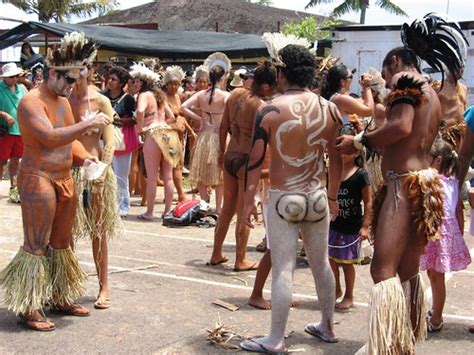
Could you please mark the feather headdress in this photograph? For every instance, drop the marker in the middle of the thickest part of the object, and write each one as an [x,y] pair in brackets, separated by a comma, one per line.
[201,72]
[218,58]
[377,83]
[277,41]
[151,63]
[439,43]
[142,72]
[74,52]
[326,63]
[173,73]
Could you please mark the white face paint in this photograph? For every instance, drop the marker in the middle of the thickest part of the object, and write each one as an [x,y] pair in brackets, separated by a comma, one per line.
[312,161]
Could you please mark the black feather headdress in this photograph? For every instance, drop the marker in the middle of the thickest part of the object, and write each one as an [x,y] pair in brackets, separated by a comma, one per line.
[439,43]
[74,52]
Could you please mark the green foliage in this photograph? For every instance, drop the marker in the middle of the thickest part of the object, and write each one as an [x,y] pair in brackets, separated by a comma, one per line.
[310,28]
[61,10]
[347,6]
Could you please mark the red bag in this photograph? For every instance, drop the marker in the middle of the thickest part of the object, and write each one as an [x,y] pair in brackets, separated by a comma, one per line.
[182,207]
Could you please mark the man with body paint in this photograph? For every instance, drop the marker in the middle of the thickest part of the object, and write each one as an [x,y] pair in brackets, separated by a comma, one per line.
[45,270]
[408,209]
[298,127]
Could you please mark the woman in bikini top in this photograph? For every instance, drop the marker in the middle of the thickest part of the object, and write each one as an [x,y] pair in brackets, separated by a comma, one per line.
[337,88]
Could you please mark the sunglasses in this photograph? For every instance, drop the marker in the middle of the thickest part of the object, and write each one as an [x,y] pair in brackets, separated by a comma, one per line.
[70,80]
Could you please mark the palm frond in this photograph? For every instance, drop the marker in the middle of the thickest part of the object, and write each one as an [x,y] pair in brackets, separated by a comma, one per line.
[390,7]
[313,3]
[28,6]
[345,7]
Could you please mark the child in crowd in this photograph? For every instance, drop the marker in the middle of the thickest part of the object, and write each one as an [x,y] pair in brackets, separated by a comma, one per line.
[351,225]
[450,252]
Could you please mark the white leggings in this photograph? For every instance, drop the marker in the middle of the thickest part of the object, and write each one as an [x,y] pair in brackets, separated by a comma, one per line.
[121,165]
[284,242]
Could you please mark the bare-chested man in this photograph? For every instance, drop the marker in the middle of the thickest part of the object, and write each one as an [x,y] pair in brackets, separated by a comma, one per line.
[97,219]
[238,120]
[45,270]
[408,209]
[453,99]
[299,127]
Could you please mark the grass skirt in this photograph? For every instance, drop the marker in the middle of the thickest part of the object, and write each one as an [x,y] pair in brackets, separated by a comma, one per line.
[100,218]
[205,167]
[26,283]
[415,287]
[390,329]
[168,141]
[67,276]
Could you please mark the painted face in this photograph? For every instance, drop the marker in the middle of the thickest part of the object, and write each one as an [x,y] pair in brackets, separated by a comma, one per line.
[172,87]
[113,83]
[202,84]
[64,82]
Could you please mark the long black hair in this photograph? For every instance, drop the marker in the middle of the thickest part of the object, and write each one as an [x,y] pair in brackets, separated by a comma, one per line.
[333,80]
[216,74]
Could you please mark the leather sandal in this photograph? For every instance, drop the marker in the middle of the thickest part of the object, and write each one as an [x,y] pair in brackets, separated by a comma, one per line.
[74,309]
[29,321]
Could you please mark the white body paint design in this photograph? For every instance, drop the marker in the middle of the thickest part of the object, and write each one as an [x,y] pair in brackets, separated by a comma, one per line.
[302,113]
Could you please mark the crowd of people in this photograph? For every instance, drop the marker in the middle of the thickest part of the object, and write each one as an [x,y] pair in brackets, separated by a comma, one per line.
[327,166]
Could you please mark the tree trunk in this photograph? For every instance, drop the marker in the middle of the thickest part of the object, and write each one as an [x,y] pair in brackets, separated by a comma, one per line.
[364,4]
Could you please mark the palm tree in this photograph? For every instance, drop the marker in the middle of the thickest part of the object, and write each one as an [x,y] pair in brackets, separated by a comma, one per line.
[60,10]
[359,5]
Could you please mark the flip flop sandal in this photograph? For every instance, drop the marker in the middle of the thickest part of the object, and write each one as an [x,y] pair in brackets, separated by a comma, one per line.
[434,328]
[71,310]
[253,346]
[142,217]
[27,322]
[102,303]
[310,329]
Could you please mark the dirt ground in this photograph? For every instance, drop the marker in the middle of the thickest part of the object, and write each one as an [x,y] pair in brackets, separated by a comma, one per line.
[162,293]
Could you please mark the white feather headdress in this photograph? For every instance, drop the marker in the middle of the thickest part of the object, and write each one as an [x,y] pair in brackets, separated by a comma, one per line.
[142,72]
[74,52]
[201,72]
[173,73]
[220,59]
[277,41]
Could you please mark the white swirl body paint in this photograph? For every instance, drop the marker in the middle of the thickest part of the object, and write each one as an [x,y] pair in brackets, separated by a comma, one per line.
[312,158]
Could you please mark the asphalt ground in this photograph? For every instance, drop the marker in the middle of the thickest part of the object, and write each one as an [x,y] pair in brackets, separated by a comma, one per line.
[162,293]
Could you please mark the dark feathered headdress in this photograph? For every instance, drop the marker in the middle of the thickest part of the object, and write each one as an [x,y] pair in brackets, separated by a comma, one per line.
[74,52]
[439,43]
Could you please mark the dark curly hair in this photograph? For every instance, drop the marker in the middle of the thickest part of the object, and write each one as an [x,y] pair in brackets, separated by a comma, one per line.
[300,65]
[122,75]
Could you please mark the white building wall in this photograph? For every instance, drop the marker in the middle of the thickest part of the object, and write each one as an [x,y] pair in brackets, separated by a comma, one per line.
[364,49]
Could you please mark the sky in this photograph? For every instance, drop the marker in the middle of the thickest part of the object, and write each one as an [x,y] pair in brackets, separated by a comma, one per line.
[457,9]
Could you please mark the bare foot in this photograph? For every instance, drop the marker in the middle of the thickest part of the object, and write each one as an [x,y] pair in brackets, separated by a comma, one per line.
[182,198]
[338,294]
[295,303]
[345,304]
[246,265]
[260,303]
